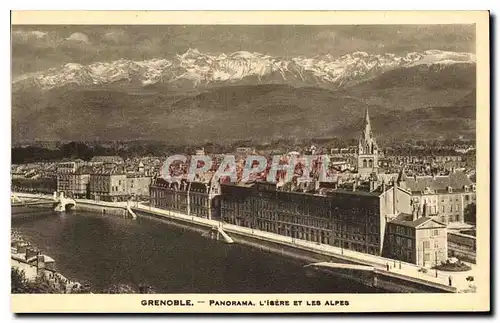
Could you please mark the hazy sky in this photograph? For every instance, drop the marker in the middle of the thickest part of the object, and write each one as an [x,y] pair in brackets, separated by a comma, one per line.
[37,48]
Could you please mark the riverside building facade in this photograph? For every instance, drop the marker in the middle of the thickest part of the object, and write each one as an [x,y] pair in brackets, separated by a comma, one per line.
[109,184]
[193,198]
[75,184]
[419,240]
[351,219]
[377,221]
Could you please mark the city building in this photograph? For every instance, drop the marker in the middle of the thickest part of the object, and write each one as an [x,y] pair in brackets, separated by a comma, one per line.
[442,197]
[67,167]
[106,160]
[138,185]
[200,152]
[353,219]
[368,151]
[195,198]
[109,183]
[75,184]
[419,240]
[245,150]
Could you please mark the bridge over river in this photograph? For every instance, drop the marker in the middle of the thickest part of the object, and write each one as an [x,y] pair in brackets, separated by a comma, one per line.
[60,202]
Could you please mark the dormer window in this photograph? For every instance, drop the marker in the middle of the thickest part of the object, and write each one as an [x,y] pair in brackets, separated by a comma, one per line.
[428,190]
[473,188]
[466,188]
[450,190]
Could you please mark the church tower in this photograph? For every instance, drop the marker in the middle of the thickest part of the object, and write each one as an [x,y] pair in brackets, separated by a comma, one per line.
[368,151]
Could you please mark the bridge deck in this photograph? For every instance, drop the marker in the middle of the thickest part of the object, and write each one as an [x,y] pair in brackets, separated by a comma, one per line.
[32,203]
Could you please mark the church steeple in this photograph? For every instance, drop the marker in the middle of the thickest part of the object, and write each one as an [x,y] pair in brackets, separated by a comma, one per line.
[367,144]
[367,127]
[367,148]
[367,124]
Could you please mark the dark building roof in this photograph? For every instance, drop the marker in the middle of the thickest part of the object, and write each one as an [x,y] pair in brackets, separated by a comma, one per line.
[358,192]
[84,170]
[406,220]
[161,182]
[456,180]
[110,169]
[107,159]
[180,184]
[262,186]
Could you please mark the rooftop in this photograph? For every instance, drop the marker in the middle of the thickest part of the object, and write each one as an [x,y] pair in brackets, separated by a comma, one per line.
[456,180]
[406,220]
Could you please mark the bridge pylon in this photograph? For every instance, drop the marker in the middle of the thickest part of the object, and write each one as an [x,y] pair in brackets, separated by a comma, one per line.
[63,203]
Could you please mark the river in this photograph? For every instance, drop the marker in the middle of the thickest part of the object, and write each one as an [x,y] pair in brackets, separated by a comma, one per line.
[109,250]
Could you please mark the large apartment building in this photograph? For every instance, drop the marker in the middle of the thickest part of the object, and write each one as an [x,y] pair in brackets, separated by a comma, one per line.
[442,197]
[353,219]
[194,198]
[109,184]
[75,183]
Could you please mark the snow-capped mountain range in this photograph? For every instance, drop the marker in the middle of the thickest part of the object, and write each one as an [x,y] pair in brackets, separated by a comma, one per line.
[198,69]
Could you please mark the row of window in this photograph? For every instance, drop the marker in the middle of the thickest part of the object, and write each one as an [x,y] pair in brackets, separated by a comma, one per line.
[407,231]
[431,256]
[427,244]
[347,215]
[403,254]
[451,218]
[353,242]
[302,219]
[345,231]
[401,242]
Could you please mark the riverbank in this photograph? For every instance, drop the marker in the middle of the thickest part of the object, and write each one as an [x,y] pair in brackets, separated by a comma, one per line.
[35,272]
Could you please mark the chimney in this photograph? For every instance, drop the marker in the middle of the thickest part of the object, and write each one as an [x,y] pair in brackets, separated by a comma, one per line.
[30,252]
[372,185]
[21,247]
[316,186]
[354,186]
[414,213]
[40,261]
[394,199]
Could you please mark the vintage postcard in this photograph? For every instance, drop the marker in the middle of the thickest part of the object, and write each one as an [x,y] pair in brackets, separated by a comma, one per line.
[246,162]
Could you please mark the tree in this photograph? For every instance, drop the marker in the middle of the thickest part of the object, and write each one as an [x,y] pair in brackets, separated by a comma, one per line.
[121,289]
[22,285]
[76,150]
[130,289]
[19,282]
[470,213]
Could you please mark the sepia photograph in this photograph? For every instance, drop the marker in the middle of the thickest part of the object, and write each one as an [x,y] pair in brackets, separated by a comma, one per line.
[202,166]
